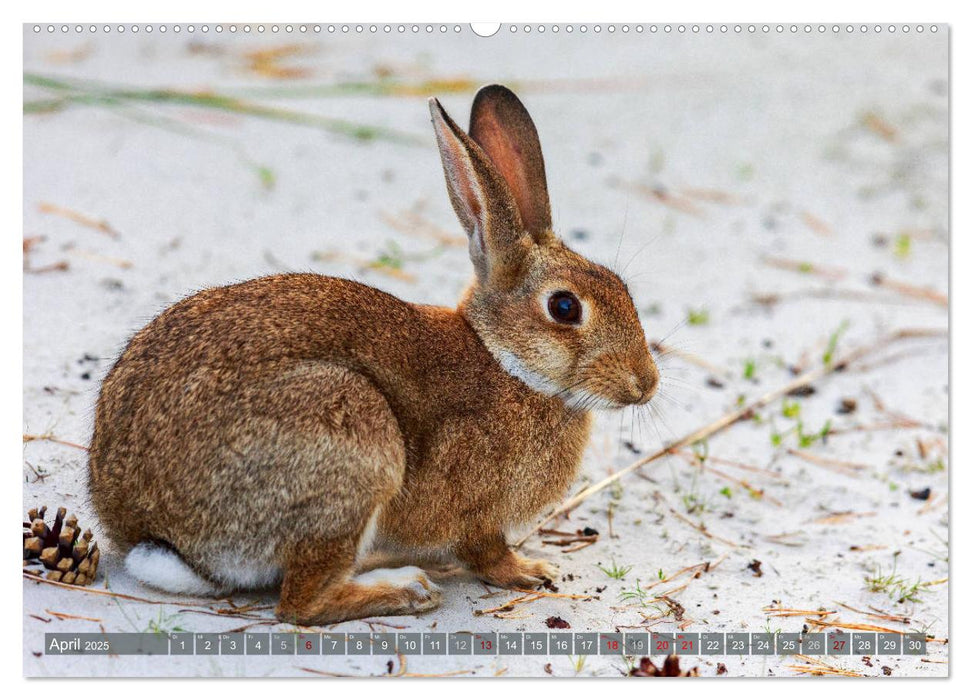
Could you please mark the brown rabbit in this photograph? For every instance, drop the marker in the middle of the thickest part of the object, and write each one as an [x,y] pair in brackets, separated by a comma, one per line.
[287,428]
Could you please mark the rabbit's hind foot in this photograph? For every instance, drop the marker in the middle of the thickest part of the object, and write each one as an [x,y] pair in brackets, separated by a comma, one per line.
[404,591]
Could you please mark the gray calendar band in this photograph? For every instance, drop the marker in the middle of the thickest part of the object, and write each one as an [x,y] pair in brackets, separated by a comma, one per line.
[486,644]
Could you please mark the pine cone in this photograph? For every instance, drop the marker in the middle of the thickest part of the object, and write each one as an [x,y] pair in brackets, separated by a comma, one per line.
[66,554]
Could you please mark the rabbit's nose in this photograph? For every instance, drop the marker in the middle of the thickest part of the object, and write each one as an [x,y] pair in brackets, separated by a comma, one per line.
[645,386]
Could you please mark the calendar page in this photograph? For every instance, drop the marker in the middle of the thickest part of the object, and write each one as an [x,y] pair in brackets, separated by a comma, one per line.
[449,350]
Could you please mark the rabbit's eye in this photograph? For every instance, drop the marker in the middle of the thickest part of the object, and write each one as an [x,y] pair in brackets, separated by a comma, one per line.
[564,307]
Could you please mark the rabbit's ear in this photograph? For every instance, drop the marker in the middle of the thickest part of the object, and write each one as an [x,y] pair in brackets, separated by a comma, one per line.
[503,128]
[481,200]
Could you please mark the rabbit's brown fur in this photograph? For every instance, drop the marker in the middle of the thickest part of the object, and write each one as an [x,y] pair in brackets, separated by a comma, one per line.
[285,426]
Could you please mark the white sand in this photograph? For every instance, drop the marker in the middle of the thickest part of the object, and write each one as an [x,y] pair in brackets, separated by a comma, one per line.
[773,121]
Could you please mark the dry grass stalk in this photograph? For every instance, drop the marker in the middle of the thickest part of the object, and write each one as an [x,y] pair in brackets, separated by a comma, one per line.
[899,424]
[861,626]
[572,540]
[837,465]
[830,294]
[735,416]
[550,594]
[741,465]
[888,360]
[788,539]
[79,218]
[935,502]
[700,527]
[47,437]
[867,547]
[776,611]
[876,124]
[257,619]
[508,605]
[365,264]
[842,517]
[805,268]
[119,596]
[662,195]
[818,667]
[878,614]
[61,266]
[94,257]
[68,616]
[710,195]
[578,547]
[529,597]
[696,569]
[756,493]
[411,223]
[688,357]
[910,290]
[816,224]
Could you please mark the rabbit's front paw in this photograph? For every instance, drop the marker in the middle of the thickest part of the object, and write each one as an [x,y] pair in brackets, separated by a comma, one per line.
[515,571]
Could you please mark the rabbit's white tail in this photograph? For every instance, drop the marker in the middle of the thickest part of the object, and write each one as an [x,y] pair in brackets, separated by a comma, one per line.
[163,568]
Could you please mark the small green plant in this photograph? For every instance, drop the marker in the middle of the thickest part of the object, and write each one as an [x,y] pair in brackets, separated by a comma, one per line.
[726,492]
[806,267]
[895,586]
[693,503]
[691,497]
[660,575]
[616,491]
[791,409]
[902,245]
[698,317]
[267,177]
[803,438]
[931,467]
[749,371]
[700,450]
[578,663]
[164,624]
[614,571]
[636,594]
[391,257]
[808,439]
[834,339]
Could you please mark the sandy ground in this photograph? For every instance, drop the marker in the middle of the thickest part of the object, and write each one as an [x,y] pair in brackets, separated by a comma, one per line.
[701,166]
